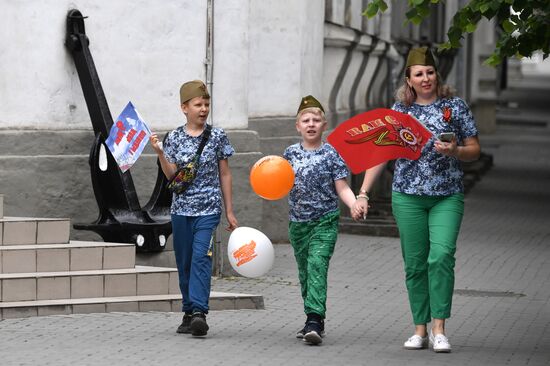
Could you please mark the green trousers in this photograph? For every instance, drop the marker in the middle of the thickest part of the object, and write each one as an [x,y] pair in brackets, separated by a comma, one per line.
[313,243]
[428,228]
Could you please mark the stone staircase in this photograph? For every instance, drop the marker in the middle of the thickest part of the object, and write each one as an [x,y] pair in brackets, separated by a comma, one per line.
[42,272]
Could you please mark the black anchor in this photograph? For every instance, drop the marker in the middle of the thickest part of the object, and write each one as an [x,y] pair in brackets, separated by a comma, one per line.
[121,218]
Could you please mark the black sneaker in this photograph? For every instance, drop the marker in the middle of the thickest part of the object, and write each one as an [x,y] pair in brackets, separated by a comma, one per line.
[185,325]
[198,324]
[301,332]
[312,332]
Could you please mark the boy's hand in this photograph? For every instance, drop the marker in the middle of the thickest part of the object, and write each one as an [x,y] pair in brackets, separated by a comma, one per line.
[360,209]
[155,143]
[231,221]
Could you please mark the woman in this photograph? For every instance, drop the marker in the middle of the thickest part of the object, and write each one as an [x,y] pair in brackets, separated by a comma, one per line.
[427,196]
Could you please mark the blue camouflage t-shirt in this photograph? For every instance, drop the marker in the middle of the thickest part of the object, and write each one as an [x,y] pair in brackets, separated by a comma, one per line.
[203,197]
[435,174]
[314,192]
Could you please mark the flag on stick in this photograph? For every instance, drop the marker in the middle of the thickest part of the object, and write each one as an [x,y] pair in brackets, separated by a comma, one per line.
[376,136]
[128,137]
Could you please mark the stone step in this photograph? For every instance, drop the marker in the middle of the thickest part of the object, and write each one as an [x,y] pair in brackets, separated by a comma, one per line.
[141,303]
[277,145]
[74,256]
[45,142]
[141,280]
[383,226]
[24,230]
[273,126]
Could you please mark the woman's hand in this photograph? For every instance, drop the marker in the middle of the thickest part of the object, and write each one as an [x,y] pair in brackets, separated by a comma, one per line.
[447,148]
[468,151]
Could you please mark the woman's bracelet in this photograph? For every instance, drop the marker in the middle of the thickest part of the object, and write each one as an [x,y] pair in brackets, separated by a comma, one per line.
[362,196]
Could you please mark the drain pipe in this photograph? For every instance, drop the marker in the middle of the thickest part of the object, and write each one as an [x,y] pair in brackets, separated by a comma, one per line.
[209,67]
[209,60]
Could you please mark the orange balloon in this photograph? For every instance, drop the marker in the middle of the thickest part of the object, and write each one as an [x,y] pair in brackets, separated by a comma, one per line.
[272,177]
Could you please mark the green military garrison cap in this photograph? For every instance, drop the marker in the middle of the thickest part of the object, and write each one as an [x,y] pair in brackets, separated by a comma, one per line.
[309,102]
[420,56]
[192,89]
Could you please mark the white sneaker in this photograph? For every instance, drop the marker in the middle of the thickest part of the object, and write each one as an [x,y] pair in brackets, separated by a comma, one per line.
[440,343]
[416,342]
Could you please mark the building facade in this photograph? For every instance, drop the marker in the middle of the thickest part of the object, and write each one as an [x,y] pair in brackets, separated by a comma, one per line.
[258,59]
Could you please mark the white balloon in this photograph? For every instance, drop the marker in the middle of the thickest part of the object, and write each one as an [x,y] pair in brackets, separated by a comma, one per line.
[250,252]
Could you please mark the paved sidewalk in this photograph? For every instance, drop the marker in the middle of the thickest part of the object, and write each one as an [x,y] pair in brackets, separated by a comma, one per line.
[501,310]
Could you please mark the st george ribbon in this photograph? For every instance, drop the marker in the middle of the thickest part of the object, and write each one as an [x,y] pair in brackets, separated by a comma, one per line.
[376,136]
[128,137]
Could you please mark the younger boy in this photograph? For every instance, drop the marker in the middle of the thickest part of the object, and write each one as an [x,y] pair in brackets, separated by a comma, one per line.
[320,178]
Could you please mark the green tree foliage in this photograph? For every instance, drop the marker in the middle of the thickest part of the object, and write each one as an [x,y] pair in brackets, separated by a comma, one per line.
[525,24]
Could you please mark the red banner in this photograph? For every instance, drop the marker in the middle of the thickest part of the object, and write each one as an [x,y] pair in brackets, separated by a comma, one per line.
[373,137]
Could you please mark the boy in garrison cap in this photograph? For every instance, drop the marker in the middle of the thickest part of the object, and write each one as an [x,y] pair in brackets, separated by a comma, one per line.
[320,178]
[196,211]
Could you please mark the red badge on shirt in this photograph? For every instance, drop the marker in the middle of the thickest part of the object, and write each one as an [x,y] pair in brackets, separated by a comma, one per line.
[447,114]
